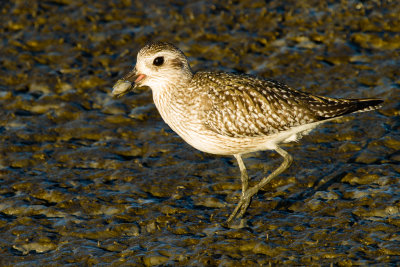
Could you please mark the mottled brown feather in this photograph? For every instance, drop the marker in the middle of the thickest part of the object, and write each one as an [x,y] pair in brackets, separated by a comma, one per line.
[247,106]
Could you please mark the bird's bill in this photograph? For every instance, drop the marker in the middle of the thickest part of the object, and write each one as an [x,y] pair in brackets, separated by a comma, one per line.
[128,83]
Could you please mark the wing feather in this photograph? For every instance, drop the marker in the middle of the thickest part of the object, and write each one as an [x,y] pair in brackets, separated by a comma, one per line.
[247,106]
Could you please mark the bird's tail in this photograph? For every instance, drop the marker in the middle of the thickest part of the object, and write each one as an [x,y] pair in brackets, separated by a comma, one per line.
[362,105]
[331,107]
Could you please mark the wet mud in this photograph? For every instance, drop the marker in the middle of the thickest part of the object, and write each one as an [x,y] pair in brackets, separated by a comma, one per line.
[86,179]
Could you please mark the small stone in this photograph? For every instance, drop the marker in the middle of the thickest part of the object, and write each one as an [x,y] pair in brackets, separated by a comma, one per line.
[367,157]
[115,108]
[362,179]
[42,88]
[315,204]
[142,112]
[266,249]
[152,260]
[209,202]
[34,246]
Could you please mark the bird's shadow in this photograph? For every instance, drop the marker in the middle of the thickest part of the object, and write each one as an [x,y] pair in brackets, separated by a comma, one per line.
[335,176]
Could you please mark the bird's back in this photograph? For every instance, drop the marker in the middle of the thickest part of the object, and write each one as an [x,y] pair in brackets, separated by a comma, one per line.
[246,106]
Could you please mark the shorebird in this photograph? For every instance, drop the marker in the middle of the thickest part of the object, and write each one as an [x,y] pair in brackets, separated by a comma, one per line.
[231,114]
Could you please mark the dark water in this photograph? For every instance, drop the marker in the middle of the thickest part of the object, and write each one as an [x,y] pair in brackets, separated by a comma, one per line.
[91,180]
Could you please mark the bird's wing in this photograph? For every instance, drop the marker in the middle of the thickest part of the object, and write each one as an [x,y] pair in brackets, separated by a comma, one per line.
[246,106]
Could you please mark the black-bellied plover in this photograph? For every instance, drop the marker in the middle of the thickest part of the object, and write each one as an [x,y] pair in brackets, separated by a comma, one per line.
[231,114]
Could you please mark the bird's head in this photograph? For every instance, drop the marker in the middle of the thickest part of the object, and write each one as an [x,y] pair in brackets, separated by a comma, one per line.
[159,65]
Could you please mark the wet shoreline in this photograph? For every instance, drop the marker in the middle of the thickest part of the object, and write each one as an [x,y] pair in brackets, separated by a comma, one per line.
[87,179]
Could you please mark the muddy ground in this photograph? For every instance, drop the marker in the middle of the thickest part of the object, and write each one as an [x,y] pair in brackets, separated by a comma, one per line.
[86,179]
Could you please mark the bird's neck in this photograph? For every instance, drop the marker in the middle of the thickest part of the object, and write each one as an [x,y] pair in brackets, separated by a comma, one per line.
[168,97]
[173,102]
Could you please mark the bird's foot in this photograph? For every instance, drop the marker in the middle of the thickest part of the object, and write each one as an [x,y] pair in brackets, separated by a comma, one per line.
[243,204]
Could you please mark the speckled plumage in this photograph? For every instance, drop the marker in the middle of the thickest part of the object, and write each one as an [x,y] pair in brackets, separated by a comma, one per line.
[247,106]
[231,114]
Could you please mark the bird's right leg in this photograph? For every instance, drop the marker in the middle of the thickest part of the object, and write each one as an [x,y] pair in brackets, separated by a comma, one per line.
[243,173]
[245,184]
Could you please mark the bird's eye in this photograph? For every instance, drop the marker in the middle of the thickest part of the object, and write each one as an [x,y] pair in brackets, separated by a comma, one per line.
[158,61]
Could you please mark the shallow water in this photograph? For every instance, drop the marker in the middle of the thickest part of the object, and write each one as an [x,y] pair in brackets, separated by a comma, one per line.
[86,179]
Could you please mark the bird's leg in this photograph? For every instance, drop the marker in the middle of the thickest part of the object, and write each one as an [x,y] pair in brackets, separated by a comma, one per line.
[245,184]
[249,193]
[243,173]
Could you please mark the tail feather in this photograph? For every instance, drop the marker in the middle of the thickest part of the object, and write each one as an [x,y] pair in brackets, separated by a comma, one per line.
[331,107]
[368,104]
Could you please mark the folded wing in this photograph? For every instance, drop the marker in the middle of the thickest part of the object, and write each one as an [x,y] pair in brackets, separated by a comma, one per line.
[246,106]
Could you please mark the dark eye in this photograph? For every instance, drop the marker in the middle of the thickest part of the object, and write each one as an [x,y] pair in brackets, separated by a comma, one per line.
[158,61]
